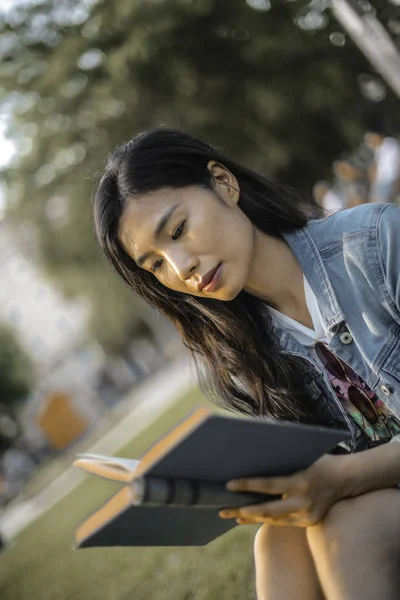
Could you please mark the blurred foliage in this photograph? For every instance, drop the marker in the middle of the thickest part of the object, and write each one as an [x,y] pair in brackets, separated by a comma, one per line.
[16,382]
[16,368]
[271,85]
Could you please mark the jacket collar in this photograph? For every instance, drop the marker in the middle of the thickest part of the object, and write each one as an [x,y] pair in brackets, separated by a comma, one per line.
[306,251]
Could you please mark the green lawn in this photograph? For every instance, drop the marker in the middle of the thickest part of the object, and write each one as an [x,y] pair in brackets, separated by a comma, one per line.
[43,566]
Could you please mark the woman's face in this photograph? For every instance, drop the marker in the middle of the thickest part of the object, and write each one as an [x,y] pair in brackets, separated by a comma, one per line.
[192,240]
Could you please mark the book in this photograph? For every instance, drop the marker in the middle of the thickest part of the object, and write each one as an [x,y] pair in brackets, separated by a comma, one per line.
[172,495]
[109,467]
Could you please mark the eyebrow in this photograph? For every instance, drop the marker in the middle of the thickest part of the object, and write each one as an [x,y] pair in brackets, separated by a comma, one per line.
[160,226]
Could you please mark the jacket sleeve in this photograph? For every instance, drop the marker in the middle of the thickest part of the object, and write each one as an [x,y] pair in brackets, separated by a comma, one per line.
[389,251]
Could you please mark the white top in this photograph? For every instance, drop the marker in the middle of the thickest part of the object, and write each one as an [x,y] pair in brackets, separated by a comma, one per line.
[387,158]
[306,336]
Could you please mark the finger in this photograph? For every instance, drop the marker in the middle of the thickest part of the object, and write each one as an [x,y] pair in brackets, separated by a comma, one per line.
[235,513]
[225,514]
[288,521]
[243,521]
[262,485]
[252,511]
[273,509]
[292,520]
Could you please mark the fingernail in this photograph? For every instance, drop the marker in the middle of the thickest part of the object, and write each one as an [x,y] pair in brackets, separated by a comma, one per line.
[232,485]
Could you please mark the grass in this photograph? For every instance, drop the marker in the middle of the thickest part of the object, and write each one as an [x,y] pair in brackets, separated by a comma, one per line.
[43,566]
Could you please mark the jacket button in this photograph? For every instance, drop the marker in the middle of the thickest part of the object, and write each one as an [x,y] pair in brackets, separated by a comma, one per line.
[346,337]
[386,390]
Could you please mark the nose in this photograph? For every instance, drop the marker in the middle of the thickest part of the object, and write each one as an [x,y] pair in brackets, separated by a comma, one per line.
[183,264]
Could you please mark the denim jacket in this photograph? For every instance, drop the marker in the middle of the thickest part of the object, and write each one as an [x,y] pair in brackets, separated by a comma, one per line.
[352,263]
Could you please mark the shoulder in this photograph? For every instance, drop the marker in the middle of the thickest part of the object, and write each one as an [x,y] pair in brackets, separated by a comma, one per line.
[388,234]
[359,222]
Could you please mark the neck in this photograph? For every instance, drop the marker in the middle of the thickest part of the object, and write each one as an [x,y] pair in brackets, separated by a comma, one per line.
[275,274]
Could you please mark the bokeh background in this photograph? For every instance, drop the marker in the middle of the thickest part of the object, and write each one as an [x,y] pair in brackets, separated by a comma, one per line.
[290,88]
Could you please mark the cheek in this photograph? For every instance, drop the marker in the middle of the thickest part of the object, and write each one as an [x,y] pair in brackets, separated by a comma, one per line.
[237,239]
[180,286]
[172,282]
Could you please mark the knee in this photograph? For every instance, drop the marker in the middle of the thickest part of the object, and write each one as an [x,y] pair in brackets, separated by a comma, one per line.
[333,534]
[353,525]
[262,541]
[272,542]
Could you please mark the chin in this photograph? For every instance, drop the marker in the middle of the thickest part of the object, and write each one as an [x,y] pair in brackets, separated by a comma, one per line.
[227,294]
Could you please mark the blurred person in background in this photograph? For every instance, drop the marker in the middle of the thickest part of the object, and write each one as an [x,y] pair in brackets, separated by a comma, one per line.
[282,312]
[352,183]
[327,197]
[17,466]
[385,174]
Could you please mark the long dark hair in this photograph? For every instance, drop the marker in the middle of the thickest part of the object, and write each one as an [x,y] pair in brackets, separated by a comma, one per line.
[232,342]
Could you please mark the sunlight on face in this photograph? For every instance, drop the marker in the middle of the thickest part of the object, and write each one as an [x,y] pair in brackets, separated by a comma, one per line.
[191,239]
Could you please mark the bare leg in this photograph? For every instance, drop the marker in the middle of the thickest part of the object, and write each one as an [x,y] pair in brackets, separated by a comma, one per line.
[356,548]
[284,565]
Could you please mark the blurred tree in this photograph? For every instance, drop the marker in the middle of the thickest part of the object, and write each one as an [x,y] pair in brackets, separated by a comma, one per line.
[271,85]
[16,383]
[16,368]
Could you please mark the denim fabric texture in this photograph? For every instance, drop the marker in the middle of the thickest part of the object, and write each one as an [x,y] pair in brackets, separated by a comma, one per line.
[351,260]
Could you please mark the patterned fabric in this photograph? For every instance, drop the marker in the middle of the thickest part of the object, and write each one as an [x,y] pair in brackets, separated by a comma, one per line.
[388,425]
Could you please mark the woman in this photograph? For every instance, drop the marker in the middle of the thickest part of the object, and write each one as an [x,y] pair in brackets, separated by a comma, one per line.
[292,318]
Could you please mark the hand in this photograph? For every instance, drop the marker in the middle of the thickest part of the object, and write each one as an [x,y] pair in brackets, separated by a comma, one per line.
[307,495]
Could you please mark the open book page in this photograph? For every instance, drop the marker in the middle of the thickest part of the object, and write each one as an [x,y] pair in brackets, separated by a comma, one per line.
[111,467]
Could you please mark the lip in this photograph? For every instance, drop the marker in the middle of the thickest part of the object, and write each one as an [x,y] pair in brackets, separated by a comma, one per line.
[211,280]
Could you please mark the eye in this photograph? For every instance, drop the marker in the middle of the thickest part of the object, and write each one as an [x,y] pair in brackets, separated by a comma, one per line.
[179,231]
[157,265]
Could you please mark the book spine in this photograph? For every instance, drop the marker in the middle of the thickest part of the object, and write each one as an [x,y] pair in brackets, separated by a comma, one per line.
[185,492]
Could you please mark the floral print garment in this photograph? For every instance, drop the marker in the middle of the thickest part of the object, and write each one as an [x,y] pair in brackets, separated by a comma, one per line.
[388,425]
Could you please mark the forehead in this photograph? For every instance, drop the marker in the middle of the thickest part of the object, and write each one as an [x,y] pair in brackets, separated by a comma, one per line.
[141,215]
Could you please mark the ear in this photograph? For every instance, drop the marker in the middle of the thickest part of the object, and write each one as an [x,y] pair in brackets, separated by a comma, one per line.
[225,183]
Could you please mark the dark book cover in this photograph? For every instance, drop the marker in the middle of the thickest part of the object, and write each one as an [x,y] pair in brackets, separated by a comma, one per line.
[172,496]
